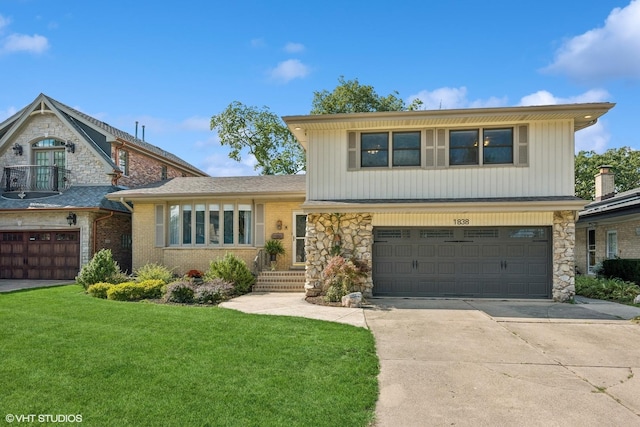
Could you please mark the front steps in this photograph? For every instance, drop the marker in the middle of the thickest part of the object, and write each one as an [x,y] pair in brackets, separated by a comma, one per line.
[280,281]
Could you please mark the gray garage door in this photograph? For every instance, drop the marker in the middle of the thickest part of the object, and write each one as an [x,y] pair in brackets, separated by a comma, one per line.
[486,262]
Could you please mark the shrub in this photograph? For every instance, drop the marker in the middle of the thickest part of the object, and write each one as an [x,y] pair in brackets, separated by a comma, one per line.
[153,288]
[194,274]
[180,292]
[607,289]
[132,291]
[154,272]
[212,292]
[343,276]
[127,291]
[119,277]
[234,270]
[101,268]
[99,290]
[623,269]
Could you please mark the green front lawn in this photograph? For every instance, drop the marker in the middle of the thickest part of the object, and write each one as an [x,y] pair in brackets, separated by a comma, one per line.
[145,364]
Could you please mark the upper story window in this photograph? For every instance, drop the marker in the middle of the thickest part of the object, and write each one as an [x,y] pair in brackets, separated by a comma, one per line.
[163,173]
[46,153]
[405,149]
[439,148]
[123,161]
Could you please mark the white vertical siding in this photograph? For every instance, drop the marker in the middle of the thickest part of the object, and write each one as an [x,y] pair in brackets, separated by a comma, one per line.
[550,172]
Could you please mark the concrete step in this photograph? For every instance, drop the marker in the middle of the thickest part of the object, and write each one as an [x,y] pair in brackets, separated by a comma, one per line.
[280,281]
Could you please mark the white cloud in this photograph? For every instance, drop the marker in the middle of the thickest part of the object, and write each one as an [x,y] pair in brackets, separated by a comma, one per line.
[447,98]
[594,138]
[196,124]
[4,22]
[610,52]
[543,97]
[221,165]
[258,43]
[24,43]
[289,70]
[294,47]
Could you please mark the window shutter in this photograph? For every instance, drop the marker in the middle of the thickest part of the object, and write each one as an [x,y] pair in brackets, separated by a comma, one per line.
[430,149]
[523,145]
[260,224]
[441,150]
[159,226]
[352,152]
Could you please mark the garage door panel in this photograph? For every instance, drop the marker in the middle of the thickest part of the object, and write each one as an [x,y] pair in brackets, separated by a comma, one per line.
[447,251]
[470,268]
[427,268]
[403,267]
[446,268]
[39,255]
[426,251]
[383,267]
[464,262]
[470,251]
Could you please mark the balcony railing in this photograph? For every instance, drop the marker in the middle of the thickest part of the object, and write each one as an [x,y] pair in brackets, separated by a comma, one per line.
[22,180]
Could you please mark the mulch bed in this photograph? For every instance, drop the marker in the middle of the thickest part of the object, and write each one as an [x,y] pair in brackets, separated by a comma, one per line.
[319,300]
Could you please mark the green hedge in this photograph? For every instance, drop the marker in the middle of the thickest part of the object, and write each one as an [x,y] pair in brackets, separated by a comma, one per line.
[623,269]
[132,291]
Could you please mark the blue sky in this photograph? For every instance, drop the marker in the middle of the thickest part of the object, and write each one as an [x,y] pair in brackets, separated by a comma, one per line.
[171,66]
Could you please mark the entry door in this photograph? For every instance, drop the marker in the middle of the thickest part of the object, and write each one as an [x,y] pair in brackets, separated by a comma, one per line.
[299,231]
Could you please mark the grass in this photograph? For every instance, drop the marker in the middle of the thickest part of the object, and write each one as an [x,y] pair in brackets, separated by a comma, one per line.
[144,364]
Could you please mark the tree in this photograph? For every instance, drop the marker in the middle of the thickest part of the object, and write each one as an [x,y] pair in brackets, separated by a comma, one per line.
[625,163]
[263,134]
[352,97]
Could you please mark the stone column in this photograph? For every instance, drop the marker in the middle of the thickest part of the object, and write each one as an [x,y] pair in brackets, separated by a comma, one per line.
[355,233]
[564,240]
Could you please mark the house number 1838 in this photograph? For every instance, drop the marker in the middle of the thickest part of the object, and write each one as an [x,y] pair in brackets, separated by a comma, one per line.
[461,221]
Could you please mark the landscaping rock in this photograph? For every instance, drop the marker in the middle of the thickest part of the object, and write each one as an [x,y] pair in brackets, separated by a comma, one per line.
[354,299]
[637,300]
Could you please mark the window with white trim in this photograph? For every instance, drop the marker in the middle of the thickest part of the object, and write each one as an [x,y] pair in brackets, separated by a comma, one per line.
[123,161]
[612,244]
[210,224]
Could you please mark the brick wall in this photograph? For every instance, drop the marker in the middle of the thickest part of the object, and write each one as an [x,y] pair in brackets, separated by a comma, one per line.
[143,169]
[114,233]
[144,234]
[628,241]
[284,212]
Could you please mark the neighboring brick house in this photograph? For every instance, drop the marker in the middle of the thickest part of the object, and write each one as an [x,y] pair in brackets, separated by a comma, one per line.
[608,227]
[58,165]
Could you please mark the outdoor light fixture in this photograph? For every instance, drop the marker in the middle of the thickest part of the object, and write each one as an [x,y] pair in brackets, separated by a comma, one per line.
[279,224]
[71,219]
[17,149]
[71,147]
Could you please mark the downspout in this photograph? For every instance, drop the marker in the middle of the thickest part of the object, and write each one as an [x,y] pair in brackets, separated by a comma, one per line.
[95,230]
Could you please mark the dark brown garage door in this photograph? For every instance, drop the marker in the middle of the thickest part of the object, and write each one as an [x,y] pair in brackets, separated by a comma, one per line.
[485,262]
[39,255]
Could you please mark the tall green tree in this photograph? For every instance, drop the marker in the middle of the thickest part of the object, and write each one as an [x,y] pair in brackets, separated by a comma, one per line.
[352,97]
[625,163]
[264,135]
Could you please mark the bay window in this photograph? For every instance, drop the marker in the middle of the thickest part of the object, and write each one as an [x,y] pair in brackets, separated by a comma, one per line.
[212,224]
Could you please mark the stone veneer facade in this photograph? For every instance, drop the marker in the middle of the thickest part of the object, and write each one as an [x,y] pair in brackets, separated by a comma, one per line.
[356,232]
[356,235]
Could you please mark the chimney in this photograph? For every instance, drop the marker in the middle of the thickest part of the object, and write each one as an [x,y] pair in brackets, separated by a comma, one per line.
[136,129]
[605,183]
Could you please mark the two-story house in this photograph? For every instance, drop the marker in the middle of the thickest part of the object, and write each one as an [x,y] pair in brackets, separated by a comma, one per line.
[447,203]
[57,166]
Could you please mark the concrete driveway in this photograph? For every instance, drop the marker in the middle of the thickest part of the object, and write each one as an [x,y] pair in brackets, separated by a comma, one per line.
[505,363]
